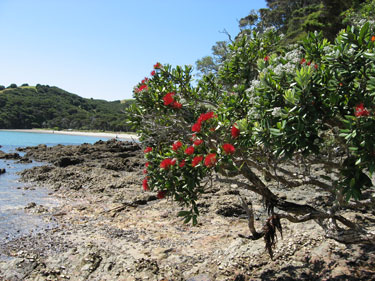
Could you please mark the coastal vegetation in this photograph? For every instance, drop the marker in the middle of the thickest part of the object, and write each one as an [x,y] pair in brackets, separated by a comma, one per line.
[270,115]
[44,106]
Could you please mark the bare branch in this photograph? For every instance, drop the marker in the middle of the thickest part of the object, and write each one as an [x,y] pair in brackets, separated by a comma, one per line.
[250,218]
[227,33]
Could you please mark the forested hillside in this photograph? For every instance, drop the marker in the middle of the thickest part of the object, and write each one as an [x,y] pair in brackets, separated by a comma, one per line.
[293,20]
[50,107]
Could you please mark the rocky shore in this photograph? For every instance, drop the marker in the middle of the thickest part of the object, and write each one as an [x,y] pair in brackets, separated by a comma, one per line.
[108,228]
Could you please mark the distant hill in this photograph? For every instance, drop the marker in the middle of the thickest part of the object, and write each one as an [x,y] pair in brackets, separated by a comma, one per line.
[44,106]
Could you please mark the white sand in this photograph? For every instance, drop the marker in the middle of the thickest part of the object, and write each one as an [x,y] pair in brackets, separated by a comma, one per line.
[77,133]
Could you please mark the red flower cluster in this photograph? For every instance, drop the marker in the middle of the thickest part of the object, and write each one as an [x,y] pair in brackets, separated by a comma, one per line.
[141,88]
[148,149]
[210,160]
[145,185]
[203,117]
[196,160]
[166,163]
[157,65]
[197,142]
[153,73]
[206,116]
[182,163]
[228,148]
[144,81]
[372,38]
[161,194]
[266,58]
[177,105]
[169,100]
[360,110]
[235,131]
[303,61]
[189,150]
[176,145]
[196,127]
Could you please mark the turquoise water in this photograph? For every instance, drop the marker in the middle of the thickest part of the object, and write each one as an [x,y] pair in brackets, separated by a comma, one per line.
[15,195]
[11,140]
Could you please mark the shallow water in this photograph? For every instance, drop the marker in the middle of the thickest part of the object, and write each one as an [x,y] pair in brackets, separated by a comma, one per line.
[16,195]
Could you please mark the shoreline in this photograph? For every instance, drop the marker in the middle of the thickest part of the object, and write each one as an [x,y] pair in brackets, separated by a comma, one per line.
[76,133]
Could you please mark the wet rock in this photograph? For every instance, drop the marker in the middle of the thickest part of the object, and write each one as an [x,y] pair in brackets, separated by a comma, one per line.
[67,161]
[2,171]
[9,156]
[30,205]
[25,160]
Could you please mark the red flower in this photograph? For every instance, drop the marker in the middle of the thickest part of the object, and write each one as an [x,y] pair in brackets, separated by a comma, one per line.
[157,65]
[144,80]
[266,58]
[372,38]
[315,66]
[161,194]
[147,164]
[148,149]
[228,148]
[205,116]
[166,163]
[198,142]
[168,98]
[153,73]
[210,160]
[189,150]
[309,63]
[196,160]
[176,145]
[303,61]
[182,163]
[144,171]
[235,132]
[340,84]
[360,110]
[176,104]
[196,127]
[141,88]
[145,185]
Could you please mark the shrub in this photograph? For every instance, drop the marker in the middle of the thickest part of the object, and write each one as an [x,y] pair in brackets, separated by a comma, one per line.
[312,104]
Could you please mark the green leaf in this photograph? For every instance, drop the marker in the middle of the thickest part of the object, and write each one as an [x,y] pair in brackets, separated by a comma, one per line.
[183,213]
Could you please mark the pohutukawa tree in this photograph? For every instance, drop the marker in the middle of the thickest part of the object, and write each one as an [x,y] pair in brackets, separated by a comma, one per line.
[308,106]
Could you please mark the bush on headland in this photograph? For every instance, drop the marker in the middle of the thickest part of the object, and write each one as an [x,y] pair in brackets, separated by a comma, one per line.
[268,115]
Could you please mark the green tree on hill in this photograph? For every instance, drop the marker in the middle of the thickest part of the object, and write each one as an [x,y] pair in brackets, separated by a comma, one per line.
[43,106]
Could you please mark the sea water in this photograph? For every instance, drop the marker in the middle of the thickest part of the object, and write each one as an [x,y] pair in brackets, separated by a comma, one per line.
[16,195]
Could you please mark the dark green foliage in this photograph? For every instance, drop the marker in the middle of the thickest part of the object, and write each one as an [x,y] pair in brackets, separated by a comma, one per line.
[2,87]
[49,107]
[12,86]
[296,18]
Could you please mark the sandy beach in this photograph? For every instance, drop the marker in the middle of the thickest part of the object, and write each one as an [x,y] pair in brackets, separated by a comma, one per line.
[78,133]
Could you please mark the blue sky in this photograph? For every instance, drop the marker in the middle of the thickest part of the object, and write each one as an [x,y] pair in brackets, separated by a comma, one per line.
[102,48]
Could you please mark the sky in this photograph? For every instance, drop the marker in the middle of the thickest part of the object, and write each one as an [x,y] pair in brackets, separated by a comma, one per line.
[102,48]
